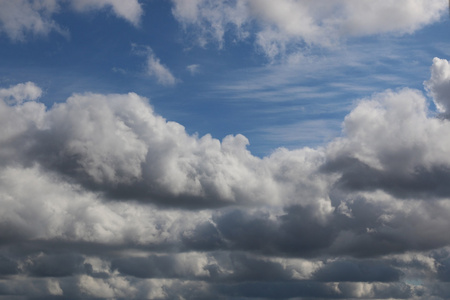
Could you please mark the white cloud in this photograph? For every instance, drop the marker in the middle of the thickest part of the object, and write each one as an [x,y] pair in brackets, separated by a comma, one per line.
[406,137]
[193,69]
[117,142]
[21,18]
[286,24]
[129,10]
[439,84]
[212,17]
[157,69]
[21,92]
[54,288]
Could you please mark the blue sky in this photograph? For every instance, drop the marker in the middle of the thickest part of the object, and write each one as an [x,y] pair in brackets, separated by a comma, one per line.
[236,87]
[229,149]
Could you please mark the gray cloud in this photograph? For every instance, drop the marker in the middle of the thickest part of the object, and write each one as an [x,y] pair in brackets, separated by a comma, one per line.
[103,198]
[116,144]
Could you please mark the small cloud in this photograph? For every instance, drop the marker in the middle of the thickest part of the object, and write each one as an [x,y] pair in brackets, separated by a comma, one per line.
[193,69]
[158,70]
[119,70]
[20,93]
[154,67]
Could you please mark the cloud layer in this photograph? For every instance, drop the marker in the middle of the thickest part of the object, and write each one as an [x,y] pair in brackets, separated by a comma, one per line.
[103,198]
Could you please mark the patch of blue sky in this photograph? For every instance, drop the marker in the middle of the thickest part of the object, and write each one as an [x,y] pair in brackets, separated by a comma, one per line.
[235,88]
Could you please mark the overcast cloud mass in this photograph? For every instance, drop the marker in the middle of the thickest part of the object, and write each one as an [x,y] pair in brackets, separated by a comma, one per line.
[104,197]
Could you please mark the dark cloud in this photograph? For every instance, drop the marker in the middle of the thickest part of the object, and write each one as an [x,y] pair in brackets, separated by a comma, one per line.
[357,271]
[316,290]
[103,198]
[56,265]
[8,266]
[161,266]
[294,232]
[421,182]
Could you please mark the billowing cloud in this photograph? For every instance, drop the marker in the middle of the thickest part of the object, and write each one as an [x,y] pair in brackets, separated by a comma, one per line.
[19,93]
[117,144]
[439,84]
[284,25]
[101,197]
[407,158]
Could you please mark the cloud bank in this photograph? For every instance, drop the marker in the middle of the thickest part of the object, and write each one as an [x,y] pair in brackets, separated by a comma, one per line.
[103,198]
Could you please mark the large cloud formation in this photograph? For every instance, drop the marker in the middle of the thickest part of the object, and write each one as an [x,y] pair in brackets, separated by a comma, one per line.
[103,198]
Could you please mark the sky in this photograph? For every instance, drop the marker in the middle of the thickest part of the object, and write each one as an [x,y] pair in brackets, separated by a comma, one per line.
[224,149]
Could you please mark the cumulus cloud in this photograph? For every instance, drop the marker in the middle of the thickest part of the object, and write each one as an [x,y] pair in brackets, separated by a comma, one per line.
[22,18]
[439,84]
[103,198]
[407,157]
[116,144]
[21,92]
[283,25]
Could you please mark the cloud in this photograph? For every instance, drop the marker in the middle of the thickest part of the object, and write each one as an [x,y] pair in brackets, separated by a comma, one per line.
[101,197]
[283,26]
[212,18]
[19,93]
[407,157]
[116,144]
[193,69]
[158,70]
[22,18]
[128,10]
[439,84]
